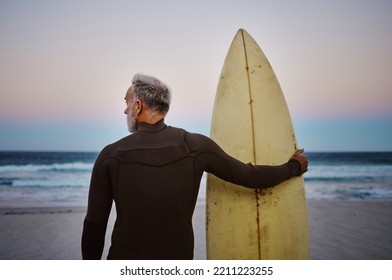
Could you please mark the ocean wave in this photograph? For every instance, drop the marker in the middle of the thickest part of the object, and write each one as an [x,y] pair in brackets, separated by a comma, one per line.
[41,196]
[351,173]
[49,180]
[49,184]
[347,192]
[61,167]
[351,158]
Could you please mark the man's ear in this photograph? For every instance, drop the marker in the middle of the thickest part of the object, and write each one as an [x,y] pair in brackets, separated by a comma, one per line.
[138,106]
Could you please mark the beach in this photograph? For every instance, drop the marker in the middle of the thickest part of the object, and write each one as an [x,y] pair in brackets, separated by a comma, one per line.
[339,230]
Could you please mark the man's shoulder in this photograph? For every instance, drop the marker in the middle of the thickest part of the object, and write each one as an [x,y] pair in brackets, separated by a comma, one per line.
[198,142]
[188,134]
[111,149]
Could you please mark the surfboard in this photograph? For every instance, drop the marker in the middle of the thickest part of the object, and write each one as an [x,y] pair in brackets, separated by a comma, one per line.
[252,123]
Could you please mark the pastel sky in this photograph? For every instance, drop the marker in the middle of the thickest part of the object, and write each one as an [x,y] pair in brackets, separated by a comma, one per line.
[66,65]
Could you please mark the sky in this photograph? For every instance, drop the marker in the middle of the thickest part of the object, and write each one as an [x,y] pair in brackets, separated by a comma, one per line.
[65,67]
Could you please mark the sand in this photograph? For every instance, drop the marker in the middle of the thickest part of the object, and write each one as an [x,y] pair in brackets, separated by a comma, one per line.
[339,230]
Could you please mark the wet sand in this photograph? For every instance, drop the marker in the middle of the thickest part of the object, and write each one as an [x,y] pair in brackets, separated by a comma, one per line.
[339,230]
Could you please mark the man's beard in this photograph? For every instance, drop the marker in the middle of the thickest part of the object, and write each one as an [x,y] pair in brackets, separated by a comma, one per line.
[132,124]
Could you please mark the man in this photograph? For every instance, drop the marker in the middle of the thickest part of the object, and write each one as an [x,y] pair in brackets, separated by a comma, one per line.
[153,175]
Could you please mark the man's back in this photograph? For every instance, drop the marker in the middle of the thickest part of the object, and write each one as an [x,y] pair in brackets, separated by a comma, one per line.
[155,195]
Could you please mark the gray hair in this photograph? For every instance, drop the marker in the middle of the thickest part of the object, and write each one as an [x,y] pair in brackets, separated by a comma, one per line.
[154,93]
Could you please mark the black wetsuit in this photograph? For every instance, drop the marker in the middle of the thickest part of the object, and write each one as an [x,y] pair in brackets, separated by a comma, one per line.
[153,175]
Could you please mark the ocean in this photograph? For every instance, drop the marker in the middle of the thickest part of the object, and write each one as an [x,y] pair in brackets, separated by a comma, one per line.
[61,179]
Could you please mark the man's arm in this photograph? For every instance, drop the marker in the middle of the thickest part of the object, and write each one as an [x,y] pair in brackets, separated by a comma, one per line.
[93,239]
[98,210]
[214,160]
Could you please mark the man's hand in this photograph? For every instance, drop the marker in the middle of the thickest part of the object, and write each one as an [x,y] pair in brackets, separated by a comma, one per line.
[302,159]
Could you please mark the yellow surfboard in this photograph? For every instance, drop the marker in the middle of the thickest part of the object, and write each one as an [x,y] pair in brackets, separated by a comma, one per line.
[251,122]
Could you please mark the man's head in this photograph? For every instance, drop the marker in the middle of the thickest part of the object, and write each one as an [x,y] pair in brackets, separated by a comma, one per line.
[148,100]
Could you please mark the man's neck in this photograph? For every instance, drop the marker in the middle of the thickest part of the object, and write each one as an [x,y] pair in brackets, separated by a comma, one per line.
[151,117]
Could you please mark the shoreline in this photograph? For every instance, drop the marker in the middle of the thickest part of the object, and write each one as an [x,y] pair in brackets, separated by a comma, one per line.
[41,210]
[339,230]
